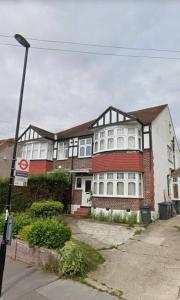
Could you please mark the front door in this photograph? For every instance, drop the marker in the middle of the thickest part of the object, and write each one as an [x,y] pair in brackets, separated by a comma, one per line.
[86,191]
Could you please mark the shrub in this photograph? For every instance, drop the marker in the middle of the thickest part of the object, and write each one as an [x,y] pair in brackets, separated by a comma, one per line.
[24,232]
[46,208]
[78,258]
[1,223]
[19,221]
[116,218]
[49,233]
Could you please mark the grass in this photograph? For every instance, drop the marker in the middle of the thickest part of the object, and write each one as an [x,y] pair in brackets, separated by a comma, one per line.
[131,219]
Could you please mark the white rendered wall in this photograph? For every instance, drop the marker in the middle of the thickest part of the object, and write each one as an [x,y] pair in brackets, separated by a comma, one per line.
[161,137]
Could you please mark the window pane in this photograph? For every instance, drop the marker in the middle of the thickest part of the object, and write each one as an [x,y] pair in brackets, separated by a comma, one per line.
[120,131]
[109,188]
[29,149]
[82,151]
[131,176]
[110,143]
[131,130]
[96,136]
[120,142]
[87,186]
[96,147]
[95,176]
[120,188]
[140,189]
[109,175]
[88,141]
[95,187]
[102,144]
[110,132]
[101,188]
[102,134]
[175,191]
[131,189]
[131,142]
[101,176]
[120,175]
[139,143]
[78,182]
[82,142]
[35,151]
[88,151]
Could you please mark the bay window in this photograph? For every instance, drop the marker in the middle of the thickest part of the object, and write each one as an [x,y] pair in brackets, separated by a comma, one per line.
[118,138]
[118,184]
[37,150]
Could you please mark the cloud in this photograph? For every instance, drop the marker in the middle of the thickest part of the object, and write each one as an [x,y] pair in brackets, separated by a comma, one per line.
[64,89]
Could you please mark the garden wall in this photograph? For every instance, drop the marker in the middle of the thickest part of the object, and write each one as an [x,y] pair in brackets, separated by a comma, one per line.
[21,251]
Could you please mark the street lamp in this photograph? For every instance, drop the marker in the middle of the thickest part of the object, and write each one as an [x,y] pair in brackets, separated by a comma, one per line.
[21,40]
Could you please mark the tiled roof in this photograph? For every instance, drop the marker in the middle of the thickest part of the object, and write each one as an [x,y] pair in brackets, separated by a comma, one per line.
[80,130]
[148,115]
[44,133]
[145,116]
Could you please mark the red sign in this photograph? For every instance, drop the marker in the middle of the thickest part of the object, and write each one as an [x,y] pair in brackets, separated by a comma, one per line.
[23,164]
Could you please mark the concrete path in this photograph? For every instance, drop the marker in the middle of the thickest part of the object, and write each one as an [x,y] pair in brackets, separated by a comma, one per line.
[99,234]
[28,283]
[147,267]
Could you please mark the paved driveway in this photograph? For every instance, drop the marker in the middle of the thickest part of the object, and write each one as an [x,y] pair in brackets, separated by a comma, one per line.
[147,267]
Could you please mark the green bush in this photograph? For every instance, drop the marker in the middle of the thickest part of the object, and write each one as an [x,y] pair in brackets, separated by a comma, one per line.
[78,258]
[2,217]
[19,221]
[46,209]
[25,231]
[49,233]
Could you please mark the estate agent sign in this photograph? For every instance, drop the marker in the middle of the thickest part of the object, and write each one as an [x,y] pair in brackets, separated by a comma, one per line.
[21,172]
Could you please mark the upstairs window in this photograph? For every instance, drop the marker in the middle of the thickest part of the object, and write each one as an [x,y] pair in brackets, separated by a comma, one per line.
[170,154]
[62,150]
[37,151]
[85,147]
[118,138]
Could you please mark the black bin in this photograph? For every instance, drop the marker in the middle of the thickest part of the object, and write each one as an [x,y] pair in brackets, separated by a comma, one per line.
[145,214]
[177,206]
[165,210]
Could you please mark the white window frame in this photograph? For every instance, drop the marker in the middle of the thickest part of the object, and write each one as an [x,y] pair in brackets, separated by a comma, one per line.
[86,144]
[126,178]
[63,146]
[48,147]
[115,133]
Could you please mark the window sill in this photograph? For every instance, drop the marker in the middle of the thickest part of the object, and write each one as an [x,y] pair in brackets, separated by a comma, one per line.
[118,196]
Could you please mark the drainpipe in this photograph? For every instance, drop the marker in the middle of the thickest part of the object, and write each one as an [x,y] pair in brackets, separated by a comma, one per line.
[174,159]
[71,178]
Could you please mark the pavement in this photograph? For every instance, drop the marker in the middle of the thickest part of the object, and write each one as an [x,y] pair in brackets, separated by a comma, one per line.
[147,267]
[99,234]
[22,282]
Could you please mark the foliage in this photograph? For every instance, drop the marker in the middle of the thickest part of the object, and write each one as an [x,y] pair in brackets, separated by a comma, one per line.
[24,232]
[19,221]
[130,219]
[1,223]
[78,258]
[49,233]
[52,265]
[43,186]
[46,209]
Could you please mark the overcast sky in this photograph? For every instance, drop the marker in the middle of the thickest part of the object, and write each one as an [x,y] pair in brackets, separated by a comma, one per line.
[63,89]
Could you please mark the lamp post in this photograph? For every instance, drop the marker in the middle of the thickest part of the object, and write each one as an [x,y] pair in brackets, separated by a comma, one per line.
[21,40]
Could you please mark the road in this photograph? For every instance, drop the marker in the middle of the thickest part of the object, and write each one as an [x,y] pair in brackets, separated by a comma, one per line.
[22,282]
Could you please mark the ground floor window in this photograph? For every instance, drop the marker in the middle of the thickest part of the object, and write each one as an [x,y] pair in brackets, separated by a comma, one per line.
[118,184]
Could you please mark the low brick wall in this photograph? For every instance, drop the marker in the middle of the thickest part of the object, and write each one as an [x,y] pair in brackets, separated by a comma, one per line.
[21,251]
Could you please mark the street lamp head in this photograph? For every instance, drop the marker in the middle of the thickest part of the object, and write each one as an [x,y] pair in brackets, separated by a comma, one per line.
[22,40]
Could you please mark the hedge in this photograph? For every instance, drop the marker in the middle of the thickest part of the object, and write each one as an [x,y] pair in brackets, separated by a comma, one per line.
[43,186]
[46,209]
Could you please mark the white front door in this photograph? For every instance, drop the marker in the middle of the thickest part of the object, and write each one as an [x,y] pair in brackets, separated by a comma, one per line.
[86,191]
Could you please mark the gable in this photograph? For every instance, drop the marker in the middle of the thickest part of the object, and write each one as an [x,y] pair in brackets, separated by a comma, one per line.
[112,116]
[29,134]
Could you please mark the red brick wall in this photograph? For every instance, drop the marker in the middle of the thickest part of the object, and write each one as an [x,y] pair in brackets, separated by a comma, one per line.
[148,178]
[117,161]
[40,166]
[116,203]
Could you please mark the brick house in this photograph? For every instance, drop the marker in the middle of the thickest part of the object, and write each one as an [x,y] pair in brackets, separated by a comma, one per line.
[117,162]
[6,151]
